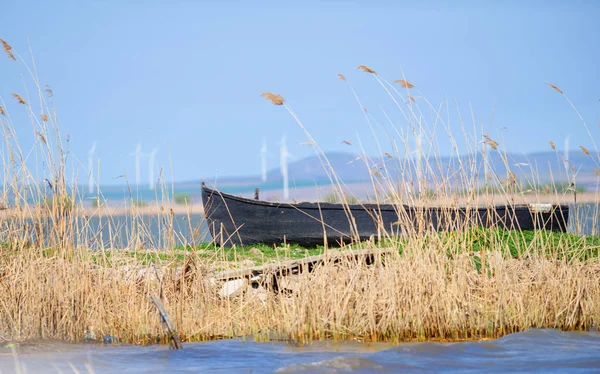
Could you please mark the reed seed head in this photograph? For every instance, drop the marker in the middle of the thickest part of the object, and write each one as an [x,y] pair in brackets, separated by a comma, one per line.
[41,136]
[376,173]
[388,155]
[44,117]
[552,145]
[341,77]
[492,143]
[2,111]
[366,69]
[19,98]
[7,49]
[6,46]
[411,98]
[555,88]
[346,142]
[596,172]
[273,98]
[404,83]
[48,91]
[584,150]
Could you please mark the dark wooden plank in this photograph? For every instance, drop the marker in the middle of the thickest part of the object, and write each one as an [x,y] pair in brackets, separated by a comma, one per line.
[293,265]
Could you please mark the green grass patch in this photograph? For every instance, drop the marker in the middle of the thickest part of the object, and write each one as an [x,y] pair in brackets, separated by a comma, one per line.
[259,254]
[521,243]
[515,244]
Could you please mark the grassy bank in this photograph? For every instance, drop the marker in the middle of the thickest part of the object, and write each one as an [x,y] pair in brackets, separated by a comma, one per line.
[462,285]
[61,279]
[476,241]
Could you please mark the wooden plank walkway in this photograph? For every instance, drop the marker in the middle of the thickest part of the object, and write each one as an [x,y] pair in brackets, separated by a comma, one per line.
[294,266]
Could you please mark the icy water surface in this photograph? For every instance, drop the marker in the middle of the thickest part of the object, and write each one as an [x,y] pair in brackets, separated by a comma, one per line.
[545,351]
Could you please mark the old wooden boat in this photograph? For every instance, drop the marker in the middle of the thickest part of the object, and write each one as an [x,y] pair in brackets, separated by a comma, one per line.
[241,221]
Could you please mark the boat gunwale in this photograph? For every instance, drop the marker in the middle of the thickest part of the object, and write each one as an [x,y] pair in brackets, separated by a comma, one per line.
[367,206]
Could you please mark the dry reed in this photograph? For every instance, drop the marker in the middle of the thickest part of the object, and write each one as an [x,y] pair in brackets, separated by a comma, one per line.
[584,150]
[492,143]
[436,286]
[423,294]
[556,89]
[273,98]
[7,49]
[404,83]
[366,69]
[19,98]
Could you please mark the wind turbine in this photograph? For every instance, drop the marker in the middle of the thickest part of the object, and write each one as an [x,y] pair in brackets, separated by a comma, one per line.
[284,155]
[137,154]
[419,151]
[567,149]
[152,156]
[91,169]
[263,160]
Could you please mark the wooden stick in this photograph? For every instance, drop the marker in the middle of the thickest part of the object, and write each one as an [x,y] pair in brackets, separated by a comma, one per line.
[165,320]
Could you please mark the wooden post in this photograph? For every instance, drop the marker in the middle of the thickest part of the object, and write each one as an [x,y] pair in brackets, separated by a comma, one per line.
[165,320]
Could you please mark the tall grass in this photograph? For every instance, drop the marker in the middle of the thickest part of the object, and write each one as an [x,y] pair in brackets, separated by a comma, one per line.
[434,290]
[61,278]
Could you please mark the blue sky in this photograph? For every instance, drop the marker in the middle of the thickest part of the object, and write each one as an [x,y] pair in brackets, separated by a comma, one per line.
[186,77]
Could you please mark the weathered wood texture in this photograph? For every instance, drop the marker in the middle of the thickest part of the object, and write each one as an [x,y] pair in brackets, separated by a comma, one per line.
[236,220]
[304,264]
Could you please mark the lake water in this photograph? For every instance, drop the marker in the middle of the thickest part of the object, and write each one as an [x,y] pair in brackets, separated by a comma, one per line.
[153,230]
[194,230]
[546,351]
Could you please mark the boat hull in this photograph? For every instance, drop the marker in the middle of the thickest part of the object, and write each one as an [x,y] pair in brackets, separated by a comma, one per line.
[234,220]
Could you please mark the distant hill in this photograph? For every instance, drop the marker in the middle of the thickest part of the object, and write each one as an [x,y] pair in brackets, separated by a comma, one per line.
[349,167]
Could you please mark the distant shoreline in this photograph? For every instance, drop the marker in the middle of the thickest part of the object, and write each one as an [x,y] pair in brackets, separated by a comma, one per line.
[108,211]
[582,197]
[150,209]
[197,208]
